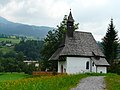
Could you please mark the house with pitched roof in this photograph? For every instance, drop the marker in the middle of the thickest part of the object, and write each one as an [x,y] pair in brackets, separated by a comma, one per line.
[79,52]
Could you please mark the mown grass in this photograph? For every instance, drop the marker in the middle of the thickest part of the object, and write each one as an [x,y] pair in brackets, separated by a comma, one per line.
[112,82]
[58,82]
[12,76]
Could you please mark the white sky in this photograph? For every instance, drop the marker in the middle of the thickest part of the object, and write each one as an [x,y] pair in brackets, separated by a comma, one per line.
[92,15]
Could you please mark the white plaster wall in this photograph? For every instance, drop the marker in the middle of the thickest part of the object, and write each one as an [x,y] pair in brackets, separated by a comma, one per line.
[102,69]
[77,65]
[59,66]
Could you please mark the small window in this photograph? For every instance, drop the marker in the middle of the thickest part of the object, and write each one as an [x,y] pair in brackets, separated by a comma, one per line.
[87,65]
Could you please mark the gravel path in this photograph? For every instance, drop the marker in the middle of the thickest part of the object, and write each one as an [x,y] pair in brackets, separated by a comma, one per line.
[91,83]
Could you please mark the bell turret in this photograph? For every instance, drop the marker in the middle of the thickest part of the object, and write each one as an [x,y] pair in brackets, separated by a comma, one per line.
[70,25]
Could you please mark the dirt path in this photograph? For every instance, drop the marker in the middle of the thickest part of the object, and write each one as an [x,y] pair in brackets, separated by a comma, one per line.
[91,83]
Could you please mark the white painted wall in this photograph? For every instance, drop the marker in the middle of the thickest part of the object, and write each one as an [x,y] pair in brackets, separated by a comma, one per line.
[102,69]
[74,65]
[59,66]
[77,65]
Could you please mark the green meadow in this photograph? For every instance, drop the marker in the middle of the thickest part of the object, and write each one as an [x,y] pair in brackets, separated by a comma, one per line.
[15,41]
[20,81]
[12,76]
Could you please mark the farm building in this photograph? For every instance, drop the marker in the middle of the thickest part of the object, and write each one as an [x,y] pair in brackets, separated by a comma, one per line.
[79,52]
[31,62]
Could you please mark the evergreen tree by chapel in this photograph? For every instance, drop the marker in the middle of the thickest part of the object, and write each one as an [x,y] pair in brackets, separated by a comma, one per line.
[110,44]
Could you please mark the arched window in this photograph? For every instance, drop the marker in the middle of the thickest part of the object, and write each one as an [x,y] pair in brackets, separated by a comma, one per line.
[87,65]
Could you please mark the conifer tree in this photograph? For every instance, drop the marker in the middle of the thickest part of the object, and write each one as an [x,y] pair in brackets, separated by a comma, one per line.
[110,44]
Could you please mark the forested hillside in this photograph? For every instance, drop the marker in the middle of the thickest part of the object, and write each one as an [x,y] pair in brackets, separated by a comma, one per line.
[11,28]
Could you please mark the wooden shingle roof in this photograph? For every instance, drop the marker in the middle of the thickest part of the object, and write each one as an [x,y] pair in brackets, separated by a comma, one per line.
[100,62]
[81,44]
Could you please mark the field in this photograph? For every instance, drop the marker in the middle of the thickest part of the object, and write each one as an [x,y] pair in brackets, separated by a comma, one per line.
[6,49]
[19,81]
[12,76]
[58,82]
[15,41]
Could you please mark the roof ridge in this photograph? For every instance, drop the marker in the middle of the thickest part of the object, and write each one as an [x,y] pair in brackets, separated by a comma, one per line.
[83,32]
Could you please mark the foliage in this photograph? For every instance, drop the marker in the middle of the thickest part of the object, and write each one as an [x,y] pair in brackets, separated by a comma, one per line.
[28,69]
[10,54]
[5,49]
[112,82]
[53,40]
[95,74]
[30,48]
[110,44]
[15,64]
[115,68]
[58,82]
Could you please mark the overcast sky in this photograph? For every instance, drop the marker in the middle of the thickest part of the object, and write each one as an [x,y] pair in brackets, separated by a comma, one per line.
[92,15]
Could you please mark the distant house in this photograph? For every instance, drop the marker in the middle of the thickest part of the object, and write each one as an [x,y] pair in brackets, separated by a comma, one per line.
[79,52]
[28,62]
[8,45]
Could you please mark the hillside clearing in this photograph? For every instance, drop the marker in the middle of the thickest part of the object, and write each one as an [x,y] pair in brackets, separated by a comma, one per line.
[15,41]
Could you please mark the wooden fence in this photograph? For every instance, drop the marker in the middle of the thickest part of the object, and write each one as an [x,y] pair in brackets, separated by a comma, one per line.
[43,73]
[35,73]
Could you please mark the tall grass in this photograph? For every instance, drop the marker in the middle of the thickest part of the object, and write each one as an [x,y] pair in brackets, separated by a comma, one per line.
[58,82]
[112,82]
[12,76]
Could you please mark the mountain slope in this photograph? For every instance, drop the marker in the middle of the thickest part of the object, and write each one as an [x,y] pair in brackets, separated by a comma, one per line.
[11,28]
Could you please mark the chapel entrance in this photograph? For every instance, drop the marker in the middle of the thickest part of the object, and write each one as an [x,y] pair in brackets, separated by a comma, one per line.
[61,68]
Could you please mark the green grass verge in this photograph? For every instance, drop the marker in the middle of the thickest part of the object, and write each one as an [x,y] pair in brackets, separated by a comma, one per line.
[59,82]
[12,76]
[112,82]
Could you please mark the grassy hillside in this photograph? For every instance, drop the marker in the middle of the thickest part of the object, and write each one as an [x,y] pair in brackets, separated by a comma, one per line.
[3,44]
[11,28]
[14,41]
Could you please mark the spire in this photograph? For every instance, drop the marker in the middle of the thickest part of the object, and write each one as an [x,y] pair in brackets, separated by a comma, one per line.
[70,25]
[70,18]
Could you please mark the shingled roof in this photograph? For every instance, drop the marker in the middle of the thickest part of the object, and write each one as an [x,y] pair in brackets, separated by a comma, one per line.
[81,44]
[100,62]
